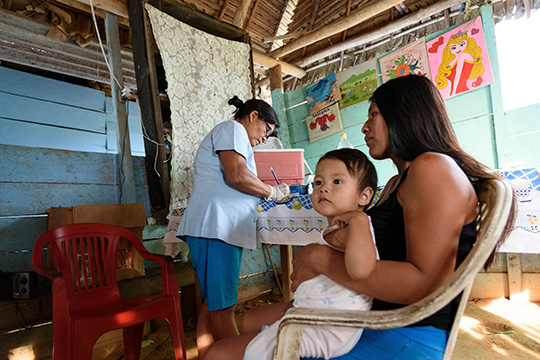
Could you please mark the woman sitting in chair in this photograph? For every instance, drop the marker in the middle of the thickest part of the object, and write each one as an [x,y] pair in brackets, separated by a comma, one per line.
[424,225]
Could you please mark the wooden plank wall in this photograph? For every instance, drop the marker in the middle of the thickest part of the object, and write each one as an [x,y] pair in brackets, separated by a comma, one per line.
[41,112]
[57,148]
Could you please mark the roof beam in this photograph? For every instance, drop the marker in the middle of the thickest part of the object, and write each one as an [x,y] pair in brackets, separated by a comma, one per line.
[119,7]
[358,16]
[116,7]
[23,41]
[252,14]
[270,62]
[241,13]
[78,5]
[223,8]
[381,32]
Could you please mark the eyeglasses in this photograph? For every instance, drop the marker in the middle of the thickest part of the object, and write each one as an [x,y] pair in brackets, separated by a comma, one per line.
[269,129]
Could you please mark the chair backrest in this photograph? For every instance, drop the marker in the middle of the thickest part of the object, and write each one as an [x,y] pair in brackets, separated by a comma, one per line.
[85,255]
[496,199]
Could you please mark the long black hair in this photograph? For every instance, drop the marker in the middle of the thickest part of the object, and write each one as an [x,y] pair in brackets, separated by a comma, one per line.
[243,109]
[417,122]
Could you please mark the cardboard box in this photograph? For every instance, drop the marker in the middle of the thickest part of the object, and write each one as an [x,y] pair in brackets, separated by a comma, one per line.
[130,263]
[288,164]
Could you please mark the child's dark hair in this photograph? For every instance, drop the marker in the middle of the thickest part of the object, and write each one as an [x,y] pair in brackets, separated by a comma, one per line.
[357,164]
[243,109]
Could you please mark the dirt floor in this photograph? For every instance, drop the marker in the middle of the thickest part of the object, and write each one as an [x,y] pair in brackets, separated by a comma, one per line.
[491,329]
[499,329]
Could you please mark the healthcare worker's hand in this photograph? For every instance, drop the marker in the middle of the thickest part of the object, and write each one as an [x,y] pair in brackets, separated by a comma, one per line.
[278,192]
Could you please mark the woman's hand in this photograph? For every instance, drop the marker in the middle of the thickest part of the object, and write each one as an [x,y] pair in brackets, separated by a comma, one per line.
[308,262]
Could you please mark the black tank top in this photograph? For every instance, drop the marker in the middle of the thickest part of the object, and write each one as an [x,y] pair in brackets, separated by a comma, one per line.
[387,220]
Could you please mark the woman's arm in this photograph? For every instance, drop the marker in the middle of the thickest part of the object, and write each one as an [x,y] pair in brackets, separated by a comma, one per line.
[438,200]
[239,176]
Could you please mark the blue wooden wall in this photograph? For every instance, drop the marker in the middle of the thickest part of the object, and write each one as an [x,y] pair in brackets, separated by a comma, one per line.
[498,139]
[57,148]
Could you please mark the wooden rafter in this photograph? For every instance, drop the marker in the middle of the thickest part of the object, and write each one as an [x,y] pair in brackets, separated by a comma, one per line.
[241,13]
[312,22]
[116,7]
[280,20]
[381,32]
[356,17]
[100,13]
[252,14]
[344,36]
[271,62]
[223,8]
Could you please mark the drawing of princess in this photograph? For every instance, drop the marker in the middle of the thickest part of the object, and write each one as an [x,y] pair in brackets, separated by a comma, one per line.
[461,62]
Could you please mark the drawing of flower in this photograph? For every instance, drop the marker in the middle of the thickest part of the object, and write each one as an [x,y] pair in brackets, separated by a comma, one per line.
[402,67]
[403,70]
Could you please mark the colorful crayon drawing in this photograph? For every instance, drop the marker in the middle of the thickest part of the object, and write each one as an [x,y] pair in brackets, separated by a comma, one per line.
[324,93]
[357,83]
[410,59]
[324,122]
[459,60]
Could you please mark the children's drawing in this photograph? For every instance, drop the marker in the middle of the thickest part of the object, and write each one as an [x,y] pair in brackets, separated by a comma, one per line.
[324,122]
[357,83]
[459,59]
[410,59]
[322,94]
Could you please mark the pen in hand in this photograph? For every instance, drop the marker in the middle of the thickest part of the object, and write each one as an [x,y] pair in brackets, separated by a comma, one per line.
[275,177]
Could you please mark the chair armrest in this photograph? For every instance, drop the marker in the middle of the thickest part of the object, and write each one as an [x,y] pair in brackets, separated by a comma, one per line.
[48,272]
[168,273]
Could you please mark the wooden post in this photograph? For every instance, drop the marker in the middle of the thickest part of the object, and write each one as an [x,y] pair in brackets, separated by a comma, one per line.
[145,71]
[276,81]
[127,180]
[447,18]
[513,264]
[498,123]
[286,254]
[278,103]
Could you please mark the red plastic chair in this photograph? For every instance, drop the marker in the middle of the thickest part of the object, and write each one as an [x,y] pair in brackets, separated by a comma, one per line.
[86,300]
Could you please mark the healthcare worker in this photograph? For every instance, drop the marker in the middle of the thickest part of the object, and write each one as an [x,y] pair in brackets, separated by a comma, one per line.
[219,221]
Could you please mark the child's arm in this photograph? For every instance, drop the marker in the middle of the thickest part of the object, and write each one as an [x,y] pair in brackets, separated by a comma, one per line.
[356,240]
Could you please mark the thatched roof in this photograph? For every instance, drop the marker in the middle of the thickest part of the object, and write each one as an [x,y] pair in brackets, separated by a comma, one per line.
[313,36]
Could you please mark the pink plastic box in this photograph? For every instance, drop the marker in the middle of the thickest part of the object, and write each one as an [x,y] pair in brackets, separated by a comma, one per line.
[288,164]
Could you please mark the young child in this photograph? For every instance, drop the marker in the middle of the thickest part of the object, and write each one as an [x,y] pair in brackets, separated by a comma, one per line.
[345,181]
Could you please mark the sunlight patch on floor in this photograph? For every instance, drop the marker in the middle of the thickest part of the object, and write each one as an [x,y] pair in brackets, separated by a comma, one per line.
[525,315]
[470,326]
[22,353]
[499,329]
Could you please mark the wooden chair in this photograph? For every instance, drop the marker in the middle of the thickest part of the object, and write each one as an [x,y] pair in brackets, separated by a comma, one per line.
[496,198]
[86,299]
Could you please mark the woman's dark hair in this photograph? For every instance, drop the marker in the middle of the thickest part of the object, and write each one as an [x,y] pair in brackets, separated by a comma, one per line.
[357,164]
[243,109]
[417,122]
